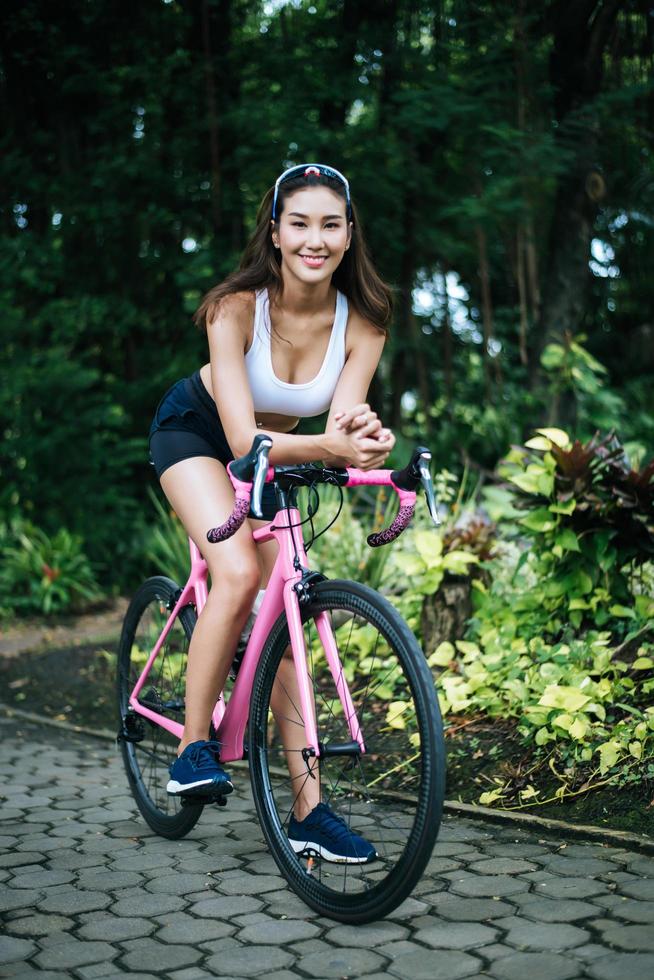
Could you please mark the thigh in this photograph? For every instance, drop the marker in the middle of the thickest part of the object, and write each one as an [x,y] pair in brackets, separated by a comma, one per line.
[202,496]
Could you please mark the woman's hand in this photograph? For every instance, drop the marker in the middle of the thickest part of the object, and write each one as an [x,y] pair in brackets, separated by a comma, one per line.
[362,420]
[360,439]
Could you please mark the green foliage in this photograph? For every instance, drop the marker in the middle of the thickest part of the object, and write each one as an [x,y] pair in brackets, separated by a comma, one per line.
[590,519]
[44,574]
[343,551]
[166,544]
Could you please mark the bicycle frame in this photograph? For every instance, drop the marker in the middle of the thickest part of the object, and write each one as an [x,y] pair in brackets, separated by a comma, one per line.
[230,719]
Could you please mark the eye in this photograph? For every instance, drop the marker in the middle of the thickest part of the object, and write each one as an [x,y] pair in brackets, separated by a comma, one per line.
[298,224]
[332,224]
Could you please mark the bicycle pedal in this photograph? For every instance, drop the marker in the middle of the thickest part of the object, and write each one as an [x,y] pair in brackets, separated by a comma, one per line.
[193,800]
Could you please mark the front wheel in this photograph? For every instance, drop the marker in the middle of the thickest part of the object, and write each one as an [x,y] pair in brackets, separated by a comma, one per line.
[391,794]
[147,748]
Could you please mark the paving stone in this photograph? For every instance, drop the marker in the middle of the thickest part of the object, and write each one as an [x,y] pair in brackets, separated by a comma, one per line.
[501,866]
[18,858]
[631,938]
[182,928]
[108,880]
[456,935]
[70,860]
[71,901]
[536,966]
[409,908]
[516,850]
[281,931]
[393,951]
[95,970]
[555,910]
[343,962]
[369,934]
[178,884]
[577,867]
[39,925]
[571,888]
[18,898]
[224,907]
[627,908]
[495,951]
[115,929]
[286,902]
[643,890]
[146,954]
[485,886]
[142,860]
[429,964]
[616,966]
[145,904]
[41,879]
[451,907]
[251,961]
[256,885]
[72,953]
[641,865]
[12,949]
[540,935]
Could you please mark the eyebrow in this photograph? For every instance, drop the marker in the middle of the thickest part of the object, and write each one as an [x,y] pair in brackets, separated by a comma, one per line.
[298,214]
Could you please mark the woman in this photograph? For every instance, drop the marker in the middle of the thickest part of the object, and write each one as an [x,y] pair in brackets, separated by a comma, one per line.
[297,330]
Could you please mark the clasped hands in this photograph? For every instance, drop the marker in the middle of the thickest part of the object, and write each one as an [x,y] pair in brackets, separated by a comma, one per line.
[366,442]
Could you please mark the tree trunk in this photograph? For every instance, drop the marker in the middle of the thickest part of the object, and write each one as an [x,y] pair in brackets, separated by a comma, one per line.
[582,30]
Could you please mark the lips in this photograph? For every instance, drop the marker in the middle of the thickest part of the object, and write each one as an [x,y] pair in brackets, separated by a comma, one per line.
[314,261]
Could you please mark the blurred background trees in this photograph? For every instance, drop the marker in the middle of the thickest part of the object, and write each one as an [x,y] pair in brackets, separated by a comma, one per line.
[500,155]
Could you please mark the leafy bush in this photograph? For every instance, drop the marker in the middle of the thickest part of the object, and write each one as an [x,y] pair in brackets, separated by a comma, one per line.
[590,518]
[166,543]
[42,574]
[560,640]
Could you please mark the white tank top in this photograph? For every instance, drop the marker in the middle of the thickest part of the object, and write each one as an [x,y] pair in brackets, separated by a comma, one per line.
[278,397]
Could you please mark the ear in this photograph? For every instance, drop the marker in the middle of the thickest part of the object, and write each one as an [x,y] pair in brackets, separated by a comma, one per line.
[275,236]
[349,235]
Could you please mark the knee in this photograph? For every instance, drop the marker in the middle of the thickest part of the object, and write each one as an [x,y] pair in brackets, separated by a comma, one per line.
[237,579]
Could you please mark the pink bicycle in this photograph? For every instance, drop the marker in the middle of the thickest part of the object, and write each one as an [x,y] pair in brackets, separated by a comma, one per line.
[367,715]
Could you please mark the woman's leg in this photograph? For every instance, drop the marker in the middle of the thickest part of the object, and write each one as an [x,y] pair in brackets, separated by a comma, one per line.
[202,496]
[285,704]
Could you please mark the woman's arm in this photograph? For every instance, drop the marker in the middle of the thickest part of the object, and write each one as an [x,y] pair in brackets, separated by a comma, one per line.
[228,336]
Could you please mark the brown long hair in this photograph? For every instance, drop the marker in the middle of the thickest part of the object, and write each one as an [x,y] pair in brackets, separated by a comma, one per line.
[260,265]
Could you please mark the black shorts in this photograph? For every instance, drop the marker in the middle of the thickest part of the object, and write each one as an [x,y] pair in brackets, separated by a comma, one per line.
[186,424]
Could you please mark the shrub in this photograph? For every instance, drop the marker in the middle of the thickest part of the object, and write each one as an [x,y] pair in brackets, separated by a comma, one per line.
[44,574]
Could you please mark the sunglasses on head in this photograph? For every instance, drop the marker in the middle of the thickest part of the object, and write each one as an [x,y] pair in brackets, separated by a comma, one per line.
[311,170]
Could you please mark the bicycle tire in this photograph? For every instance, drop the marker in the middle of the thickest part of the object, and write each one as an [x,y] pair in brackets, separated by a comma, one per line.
[146,761]
[401,817]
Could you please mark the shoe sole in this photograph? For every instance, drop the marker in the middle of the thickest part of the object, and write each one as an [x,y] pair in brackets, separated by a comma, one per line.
[173,788]
[308,849]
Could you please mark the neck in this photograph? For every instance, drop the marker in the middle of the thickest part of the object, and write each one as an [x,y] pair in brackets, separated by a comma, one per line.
[303,298]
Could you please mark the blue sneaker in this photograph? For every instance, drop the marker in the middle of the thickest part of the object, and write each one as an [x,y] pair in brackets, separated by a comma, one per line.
[197,772]
[326,835]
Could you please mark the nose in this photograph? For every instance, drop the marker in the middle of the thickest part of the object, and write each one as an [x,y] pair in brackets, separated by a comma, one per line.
[314,236]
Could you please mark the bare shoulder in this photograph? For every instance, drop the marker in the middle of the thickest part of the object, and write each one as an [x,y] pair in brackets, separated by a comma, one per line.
[235,311]
[362,334]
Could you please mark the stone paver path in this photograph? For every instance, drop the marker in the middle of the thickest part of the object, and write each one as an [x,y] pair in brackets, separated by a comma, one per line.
[87,891]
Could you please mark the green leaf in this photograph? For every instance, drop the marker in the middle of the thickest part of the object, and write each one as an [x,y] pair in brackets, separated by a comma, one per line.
[429,546]
[609,754]
[622,612]
[567,539]
[539,520]
[539,442]
[564,697]
[442,655]
[642,663]
[558,436]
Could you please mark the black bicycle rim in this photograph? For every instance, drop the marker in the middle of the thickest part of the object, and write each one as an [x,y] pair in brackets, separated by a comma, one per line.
[392,794]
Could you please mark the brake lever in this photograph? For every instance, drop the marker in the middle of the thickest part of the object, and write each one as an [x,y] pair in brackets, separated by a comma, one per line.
[259,479]
[428,486]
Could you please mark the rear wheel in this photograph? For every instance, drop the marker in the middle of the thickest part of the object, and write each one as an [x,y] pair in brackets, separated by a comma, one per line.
[391,794]
[147,748]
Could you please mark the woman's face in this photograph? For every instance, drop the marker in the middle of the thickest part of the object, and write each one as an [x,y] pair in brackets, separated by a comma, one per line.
[313,233]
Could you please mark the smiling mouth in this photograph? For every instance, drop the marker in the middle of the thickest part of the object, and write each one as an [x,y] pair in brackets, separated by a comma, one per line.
[315,261]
